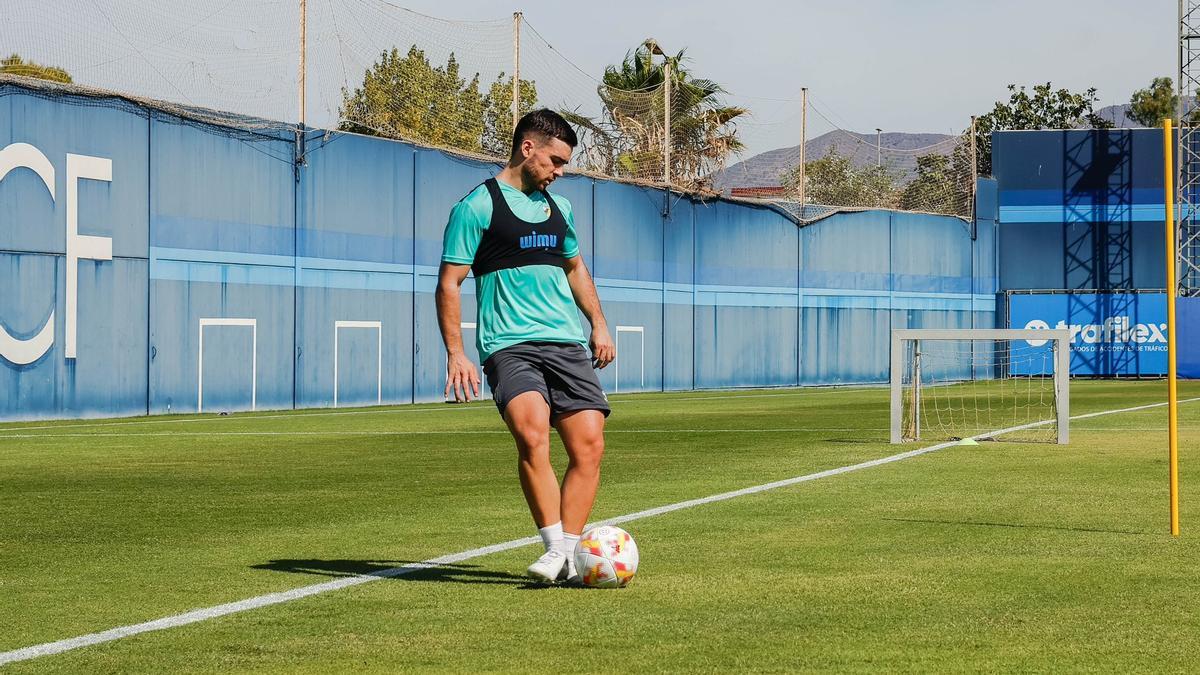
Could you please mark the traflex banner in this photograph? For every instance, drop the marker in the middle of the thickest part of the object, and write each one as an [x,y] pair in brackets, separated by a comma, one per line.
[1111,333]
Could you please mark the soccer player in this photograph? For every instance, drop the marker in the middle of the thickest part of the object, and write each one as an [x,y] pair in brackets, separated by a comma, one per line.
[520,242]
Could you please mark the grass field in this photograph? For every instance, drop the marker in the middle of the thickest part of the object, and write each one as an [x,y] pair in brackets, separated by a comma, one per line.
[1002,557]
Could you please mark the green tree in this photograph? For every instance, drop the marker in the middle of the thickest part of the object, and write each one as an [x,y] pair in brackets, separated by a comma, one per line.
[407,97]
[931,185]
[1044,109]
[833,180]
[497,123]
[15,65]
[1150,106]
[629,137]
[942,183]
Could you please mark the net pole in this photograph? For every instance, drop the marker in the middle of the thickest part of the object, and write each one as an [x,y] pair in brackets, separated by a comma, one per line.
[897,389]
[1062,391]
[516,87]
[1172,393]
[303,50]
[916,390]
[803,141]
[667,120]
[974,185]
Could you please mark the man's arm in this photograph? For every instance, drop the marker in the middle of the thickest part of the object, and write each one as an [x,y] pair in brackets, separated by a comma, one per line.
[461,375]
[584,291]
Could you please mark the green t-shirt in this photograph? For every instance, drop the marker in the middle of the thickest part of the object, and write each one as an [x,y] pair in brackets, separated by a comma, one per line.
[520,304]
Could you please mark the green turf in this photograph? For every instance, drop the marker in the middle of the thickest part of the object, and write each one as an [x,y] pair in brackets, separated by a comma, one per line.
[1006,556]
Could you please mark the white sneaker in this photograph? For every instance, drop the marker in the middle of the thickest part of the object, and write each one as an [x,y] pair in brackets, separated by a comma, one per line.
[548,567]
[569,575]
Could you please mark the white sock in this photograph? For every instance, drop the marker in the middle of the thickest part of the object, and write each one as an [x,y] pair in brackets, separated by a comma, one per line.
[552,535]
[569,541]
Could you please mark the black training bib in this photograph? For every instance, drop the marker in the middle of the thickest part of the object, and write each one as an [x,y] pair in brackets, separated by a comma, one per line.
[511,242]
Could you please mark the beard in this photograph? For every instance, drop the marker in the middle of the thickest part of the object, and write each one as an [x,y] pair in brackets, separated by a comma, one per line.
[529,177]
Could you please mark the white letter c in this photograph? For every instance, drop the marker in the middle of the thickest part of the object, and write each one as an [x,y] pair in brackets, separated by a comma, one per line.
[24,352]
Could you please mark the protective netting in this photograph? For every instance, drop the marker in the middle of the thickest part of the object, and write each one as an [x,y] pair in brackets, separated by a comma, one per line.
[954,389]
[227,63]
[845,170]
[374,67]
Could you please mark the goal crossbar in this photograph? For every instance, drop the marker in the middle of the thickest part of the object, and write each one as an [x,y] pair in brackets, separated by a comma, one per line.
[1061,339]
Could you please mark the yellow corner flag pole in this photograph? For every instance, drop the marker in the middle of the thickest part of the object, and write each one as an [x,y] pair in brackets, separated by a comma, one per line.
[1172,396]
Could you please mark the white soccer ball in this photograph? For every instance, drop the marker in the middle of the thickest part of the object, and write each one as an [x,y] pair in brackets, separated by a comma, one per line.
[606,557]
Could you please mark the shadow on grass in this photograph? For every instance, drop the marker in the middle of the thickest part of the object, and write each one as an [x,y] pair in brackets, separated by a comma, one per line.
[977,523]
[405,570]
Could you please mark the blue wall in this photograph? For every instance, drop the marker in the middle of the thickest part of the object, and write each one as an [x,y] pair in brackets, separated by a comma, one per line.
[1080,209]
[232,270]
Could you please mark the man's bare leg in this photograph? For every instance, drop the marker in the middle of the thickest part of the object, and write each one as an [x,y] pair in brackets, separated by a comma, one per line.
[582,433]
[528,418]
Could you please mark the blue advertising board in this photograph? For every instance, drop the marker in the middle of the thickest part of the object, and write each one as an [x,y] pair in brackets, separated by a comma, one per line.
[1112,334]
[1187,341]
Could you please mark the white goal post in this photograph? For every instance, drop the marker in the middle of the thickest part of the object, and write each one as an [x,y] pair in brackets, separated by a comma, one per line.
[969,382]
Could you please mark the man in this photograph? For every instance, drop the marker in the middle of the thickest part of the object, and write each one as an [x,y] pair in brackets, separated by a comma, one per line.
[520,242]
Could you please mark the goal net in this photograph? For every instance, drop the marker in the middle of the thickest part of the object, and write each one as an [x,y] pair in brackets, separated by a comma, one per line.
[953,384]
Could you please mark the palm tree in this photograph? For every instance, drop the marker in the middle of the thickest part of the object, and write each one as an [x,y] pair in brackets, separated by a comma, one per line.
[628,138]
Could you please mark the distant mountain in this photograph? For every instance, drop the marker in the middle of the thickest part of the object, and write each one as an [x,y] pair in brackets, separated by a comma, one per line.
[897,150]
[1118,115]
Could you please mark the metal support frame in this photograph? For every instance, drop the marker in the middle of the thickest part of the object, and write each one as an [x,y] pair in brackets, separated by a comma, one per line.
[1187,187]
[1062,366]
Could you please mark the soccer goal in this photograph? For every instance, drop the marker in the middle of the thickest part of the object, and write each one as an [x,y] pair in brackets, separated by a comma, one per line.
[952,384]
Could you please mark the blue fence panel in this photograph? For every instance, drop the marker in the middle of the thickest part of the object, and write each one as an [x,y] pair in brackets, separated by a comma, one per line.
[1078,208]
[738,245]
[441,180]
[637,330]
[246,309]
[107,376]
[1187,340]
[112,133]
[746,308]
[629,232]
[579,191]
[354,321]
[678,320]
[745,346]
[353,309]
[334,220]
[220,227]
[30,381]
[931,254]
[850,251]
[629,246]
[844,344]
[984,251]
[211,190]
[1149,251]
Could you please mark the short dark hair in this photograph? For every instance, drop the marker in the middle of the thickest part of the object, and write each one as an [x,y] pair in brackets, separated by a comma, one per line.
[544,123]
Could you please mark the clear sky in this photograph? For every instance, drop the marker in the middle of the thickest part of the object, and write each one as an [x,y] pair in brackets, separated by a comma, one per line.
[900,65]
[913,66]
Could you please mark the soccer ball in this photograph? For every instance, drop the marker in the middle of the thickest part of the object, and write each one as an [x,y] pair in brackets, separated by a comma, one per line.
[606,557]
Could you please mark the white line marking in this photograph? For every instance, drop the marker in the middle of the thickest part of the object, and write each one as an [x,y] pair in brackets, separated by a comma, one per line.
[641,331]
[252,324]
[378,327]
[206,613]
[8,432]
[467,432]
[194,616]
[443,407]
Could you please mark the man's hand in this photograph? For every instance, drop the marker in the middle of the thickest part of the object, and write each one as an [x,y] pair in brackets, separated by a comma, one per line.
[603,349]
[461,377]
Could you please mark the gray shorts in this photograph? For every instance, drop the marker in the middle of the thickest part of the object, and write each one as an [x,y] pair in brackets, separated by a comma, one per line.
[560,371]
